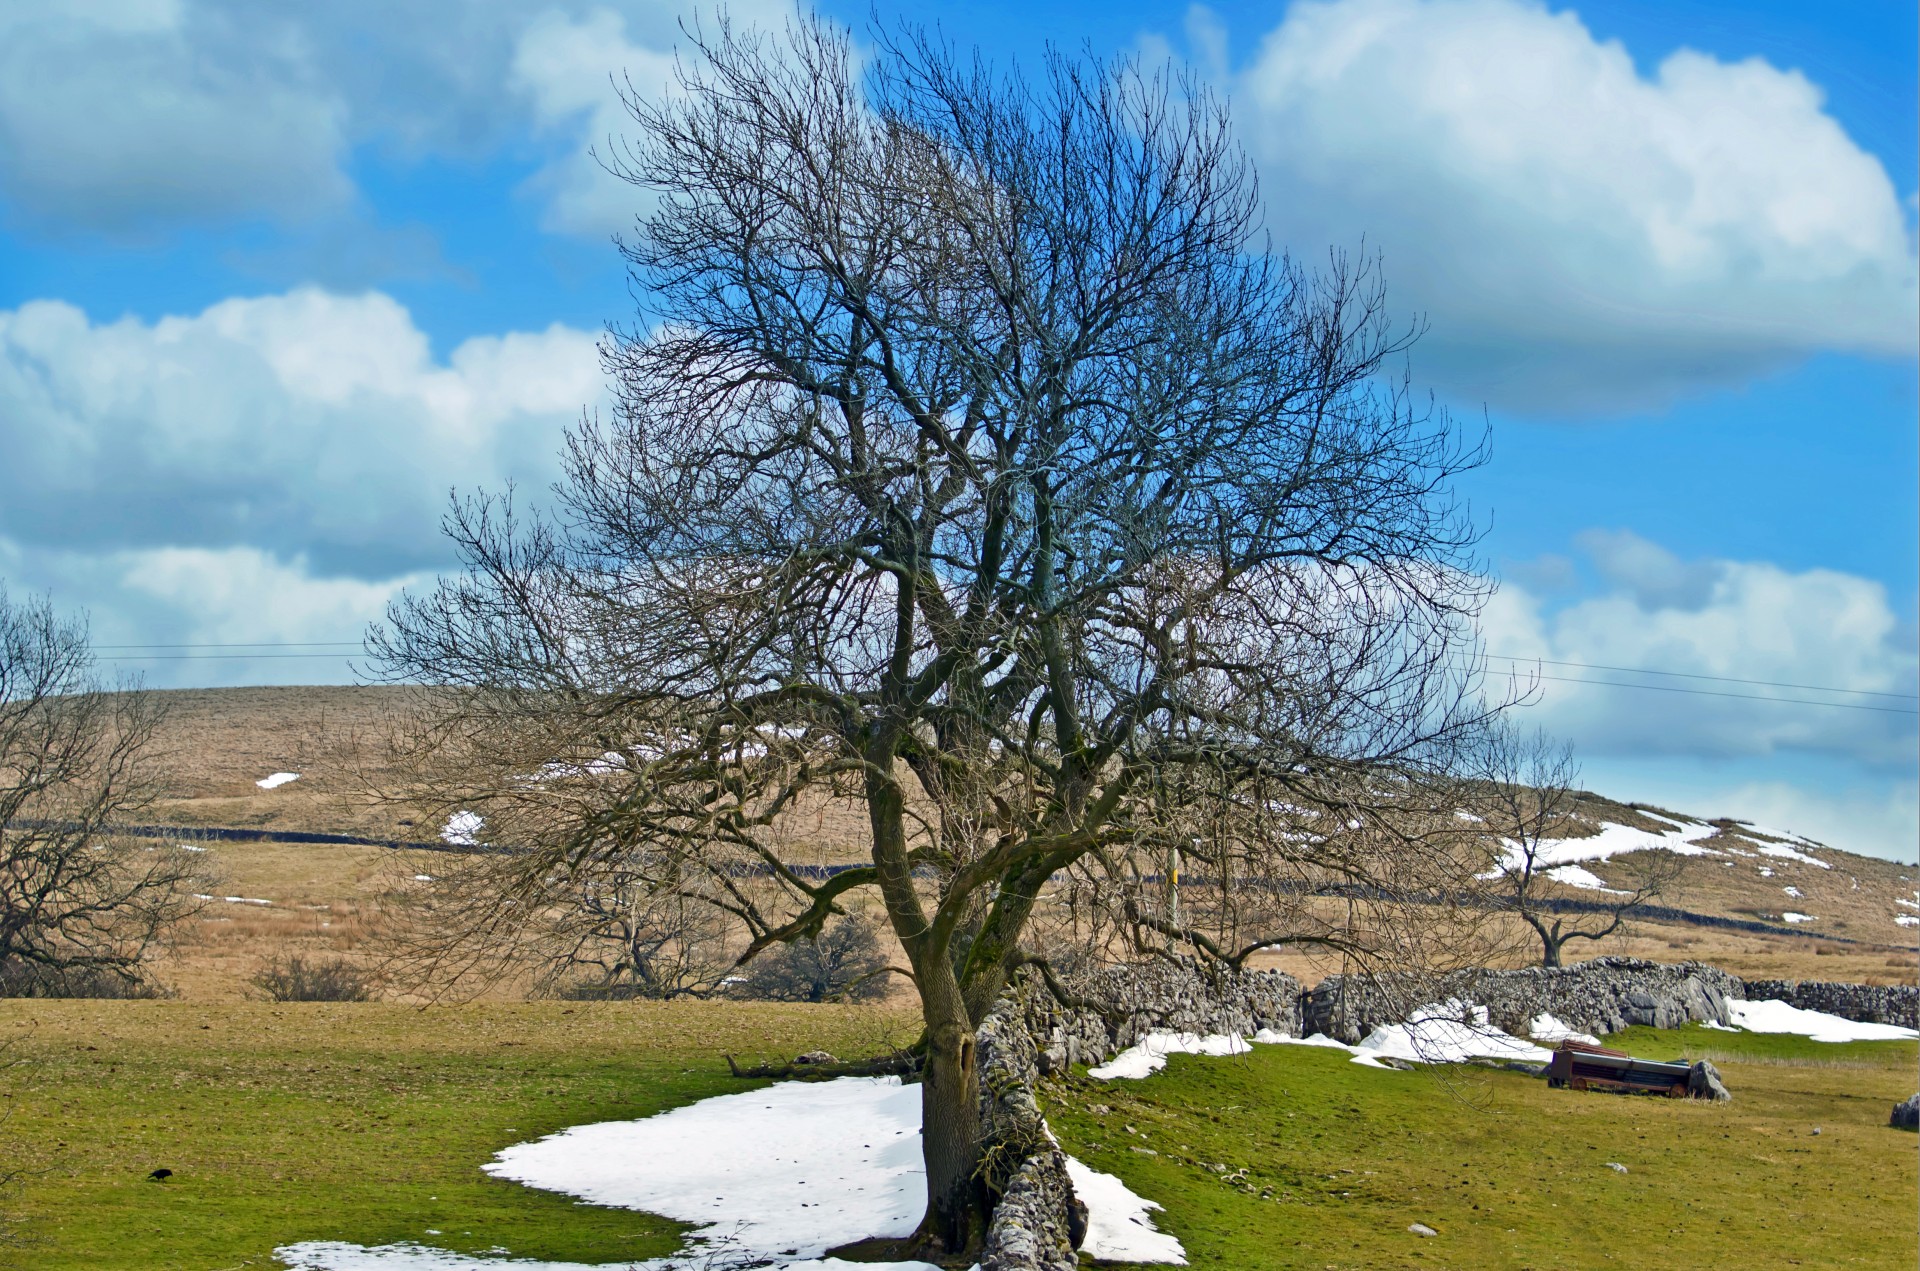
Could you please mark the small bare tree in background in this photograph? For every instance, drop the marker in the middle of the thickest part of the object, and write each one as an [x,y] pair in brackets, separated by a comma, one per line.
[626,930]
[1524,790]
[81,907]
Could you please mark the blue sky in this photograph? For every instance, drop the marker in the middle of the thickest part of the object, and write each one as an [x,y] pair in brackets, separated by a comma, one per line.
[274,279]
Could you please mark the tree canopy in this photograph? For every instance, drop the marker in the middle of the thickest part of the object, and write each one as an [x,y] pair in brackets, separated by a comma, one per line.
[978,468]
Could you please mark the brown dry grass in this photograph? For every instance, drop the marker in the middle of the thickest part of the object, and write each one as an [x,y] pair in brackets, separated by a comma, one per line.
[326,900]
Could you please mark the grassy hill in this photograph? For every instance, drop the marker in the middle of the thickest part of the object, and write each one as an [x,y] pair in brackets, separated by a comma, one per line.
[218,743]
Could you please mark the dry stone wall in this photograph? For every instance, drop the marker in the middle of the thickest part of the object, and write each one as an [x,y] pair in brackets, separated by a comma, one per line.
[1127,1003]
[1037,1222]
[1601,996]
[1867,1003]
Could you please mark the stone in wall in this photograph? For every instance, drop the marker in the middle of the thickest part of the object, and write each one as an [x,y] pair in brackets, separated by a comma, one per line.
[1032,1227]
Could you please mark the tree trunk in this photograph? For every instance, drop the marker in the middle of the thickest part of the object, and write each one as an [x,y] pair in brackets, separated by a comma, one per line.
[950,1137]
[949,1086]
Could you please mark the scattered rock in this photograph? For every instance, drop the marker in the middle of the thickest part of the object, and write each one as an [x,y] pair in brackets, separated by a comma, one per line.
[1906,1116]
[1421,1229]
[1703,1082]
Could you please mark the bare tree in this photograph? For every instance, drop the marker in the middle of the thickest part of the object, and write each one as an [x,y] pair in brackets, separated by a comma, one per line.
[624,931]
[80,906]
[981,471]
[1525,791]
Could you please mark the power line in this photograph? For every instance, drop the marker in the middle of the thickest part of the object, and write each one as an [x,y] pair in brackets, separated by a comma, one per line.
[1558,679]
[246,644]
[1721,679]
[214,657]
[1746,697]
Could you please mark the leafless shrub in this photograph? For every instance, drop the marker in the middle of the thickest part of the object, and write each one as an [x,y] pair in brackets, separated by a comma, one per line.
[843,963]
[25,979]
[293,978]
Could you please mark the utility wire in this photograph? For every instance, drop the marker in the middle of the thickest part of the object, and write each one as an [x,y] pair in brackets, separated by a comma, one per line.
[1746,697]
[213,657]
[247,644]
[1501,657]
[1721,679]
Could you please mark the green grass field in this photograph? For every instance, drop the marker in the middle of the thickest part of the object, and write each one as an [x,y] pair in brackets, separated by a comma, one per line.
[369,1123]
[1294,1157]
[365,1122]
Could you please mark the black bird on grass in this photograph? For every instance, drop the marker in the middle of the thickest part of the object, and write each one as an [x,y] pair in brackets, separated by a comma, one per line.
[160,1175]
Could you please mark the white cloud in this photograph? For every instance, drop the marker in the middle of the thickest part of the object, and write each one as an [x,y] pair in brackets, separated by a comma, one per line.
[123,117]
[307,422]
[244,590]
[567,71]
[1740,620]
[1580,236]
[173,596]
[145,115]
[1702,746]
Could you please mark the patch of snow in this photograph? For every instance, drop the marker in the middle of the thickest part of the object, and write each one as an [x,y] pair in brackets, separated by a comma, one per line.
[1464,815]
[1785,836]
[1907,920]
[1779,1017]
[1283,1039]
[277,779]
[770,1178]
[1577,876]
[1901,900]
[335,1255]
[1118,1226]
[423,878]
[192,847]
[1791,916]
[1718,1027]
[461,828]
[1545,1028]
[1794,892]
[243,900]
[1612,840]
[1788,853]
[1149,1055]
[1765,872]
[1448,1032]
[794,1169]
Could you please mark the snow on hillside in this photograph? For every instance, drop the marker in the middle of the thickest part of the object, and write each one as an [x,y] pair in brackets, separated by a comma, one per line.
[1560,859]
